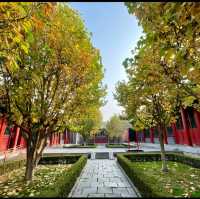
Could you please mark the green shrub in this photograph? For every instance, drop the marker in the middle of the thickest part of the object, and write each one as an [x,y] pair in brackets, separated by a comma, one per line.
[65,183]
[10,165]
[59,159]
[119,146]
[115,146]
[80,146]
[144,184]
[136,177]
[171,156]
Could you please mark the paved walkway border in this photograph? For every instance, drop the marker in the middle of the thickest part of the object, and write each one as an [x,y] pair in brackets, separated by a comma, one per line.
[129,180]
[123,187]
[76,183]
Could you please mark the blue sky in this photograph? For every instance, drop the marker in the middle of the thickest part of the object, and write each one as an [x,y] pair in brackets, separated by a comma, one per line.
[115,33]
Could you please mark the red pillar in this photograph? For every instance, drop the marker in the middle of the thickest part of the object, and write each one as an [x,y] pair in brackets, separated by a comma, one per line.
[187,137]
[68,137]
[143,136]
[3,126]
[59,138]
[1,123]
[65,137]
[22,144]
[56,138]
[137,139]
[197,120]
[165,136]
[152,135]
[128,140]
[50,140]
[2,131]
[175,133]
[17,130]
[136,136]
[53,139]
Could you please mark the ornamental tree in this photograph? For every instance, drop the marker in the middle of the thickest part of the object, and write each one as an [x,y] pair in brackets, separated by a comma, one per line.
[148,97]
[173,28]
[53,80]
[115,126]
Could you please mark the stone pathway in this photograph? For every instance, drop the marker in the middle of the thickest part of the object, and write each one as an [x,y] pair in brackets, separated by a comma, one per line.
[102,178]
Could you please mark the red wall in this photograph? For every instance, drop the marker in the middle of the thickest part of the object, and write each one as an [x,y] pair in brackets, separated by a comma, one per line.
[101,140]
[195,132]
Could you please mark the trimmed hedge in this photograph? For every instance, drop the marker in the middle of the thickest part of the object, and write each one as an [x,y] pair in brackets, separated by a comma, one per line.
[65,183]
[138,177]
[118,146]
[10,165]
[70,158]
[59,159]
[175,157]
[81,146]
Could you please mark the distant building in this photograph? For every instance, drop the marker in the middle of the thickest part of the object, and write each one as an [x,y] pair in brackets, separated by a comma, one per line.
[101,137]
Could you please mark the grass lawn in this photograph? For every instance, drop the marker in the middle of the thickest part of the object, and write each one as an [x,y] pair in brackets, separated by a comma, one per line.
[12,184]
[181,180]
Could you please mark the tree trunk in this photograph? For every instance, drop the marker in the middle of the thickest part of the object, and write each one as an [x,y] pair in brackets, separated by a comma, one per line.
[34,153]
[29,162]
[162,147]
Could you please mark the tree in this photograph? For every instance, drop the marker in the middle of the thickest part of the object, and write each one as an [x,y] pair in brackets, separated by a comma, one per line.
[54,79]
[15,22]
[148,97]
[90,123]
[163,75]
[115,126]
[173,28]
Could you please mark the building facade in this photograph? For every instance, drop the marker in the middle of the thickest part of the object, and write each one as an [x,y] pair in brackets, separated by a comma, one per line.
[186,131]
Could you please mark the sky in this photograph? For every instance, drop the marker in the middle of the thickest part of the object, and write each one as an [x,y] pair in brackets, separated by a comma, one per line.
[115,33]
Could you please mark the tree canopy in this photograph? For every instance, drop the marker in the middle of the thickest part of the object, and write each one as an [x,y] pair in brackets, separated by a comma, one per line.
[53,77]
[163,72]
[116,126]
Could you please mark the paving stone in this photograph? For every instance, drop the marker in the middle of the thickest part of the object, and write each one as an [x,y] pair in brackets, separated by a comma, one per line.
[129,195]
[110,184]
[103,178]
[97,184]
[121,190]
[123,184]
[89,190]
[116,179]
[83,185]
[112,195]
[80,196]
[92,195]
[104,190]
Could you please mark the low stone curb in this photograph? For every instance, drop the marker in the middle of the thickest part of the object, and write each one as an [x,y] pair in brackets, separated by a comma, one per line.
[131,183]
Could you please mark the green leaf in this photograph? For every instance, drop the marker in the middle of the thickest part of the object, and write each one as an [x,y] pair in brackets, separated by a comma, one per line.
[25,48]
